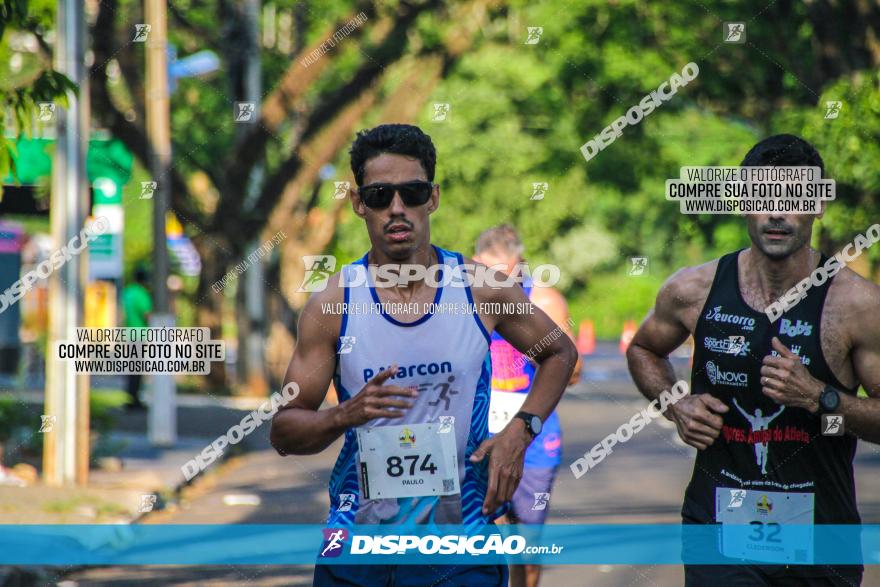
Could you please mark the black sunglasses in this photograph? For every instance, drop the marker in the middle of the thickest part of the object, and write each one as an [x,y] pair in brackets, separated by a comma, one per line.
[379,195]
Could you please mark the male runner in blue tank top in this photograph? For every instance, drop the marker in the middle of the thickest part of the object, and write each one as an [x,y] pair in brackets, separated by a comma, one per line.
[512,376]
[413,386]
[759,389]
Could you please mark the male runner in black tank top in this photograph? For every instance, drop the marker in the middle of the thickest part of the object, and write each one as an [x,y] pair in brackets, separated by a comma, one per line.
[754,410]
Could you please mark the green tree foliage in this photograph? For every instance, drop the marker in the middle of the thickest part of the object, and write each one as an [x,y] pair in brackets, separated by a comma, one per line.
[35,82]
[520,112]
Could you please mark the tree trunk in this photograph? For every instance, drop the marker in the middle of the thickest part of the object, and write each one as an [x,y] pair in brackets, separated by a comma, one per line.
[210,304]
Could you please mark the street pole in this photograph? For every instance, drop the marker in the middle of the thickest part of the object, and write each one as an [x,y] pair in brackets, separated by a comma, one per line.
[255,278]
[66,440]
[162,420]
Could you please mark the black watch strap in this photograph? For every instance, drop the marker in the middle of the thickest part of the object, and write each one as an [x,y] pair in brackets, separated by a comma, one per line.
[529,419]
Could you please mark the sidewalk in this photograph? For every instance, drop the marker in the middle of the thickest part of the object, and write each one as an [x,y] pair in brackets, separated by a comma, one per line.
[119,488]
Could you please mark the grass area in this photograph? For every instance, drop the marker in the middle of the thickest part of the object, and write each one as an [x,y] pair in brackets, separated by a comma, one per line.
[20,423]
[103,399]
[103,509]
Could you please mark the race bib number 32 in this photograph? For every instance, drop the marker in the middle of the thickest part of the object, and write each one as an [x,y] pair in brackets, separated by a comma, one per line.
[410,460]
[766,526]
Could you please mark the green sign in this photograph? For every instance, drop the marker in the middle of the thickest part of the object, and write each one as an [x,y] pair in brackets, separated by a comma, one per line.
[105,158]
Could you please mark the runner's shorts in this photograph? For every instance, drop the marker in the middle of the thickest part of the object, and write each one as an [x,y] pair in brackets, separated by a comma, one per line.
[526,507]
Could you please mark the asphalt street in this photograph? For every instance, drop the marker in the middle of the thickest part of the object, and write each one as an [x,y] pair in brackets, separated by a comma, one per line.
[642,481]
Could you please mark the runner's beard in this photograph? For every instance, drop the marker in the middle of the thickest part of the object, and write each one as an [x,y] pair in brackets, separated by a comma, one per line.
[777,250]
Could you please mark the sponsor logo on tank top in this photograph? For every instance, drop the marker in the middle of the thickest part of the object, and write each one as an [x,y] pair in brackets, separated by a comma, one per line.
[796,349]
[716,314]
[796,329]
[732,345]
[718,376]
[412,370]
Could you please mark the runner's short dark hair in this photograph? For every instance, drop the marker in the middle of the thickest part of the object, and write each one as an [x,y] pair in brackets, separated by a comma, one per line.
[783,151]
[400,139]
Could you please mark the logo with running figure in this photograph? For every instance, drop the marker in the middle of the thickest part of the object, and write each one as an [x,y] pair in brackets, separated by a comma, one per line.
[47,423]
[445,389]
[759,423]
[346,344]
[341,188]
[148,501]
[440,113]
[832,109]
[534,35]
[738,345]
[346,501]
[734,32]
[539,190]
[446,424]
[319,268]
[737,496]
[832,425]
[639,265]
[541,501]
[334,538]
[47,111]
[141,32]
[245,112]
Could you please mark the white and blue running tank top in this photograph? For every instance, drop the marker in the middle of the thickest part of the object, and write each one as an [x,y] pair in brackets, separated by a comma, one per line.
[445,356]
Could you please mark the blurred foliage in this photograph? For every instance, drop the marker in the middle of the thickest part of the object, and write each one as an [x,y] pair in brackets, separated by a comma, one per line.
[519,114]
[35,82]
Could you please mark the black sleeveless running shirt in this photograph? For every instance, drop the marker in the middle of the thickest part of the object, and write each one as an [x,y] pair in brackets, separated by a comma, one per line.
[731,340]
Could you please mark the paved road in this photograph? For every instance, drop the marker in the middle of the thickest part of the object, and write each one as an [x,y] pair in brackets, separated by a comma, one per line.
[641,482]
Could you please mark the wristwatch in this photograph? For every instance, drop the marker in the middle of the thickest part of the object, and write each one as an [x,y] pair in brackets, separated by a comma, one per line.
[533,422]
[829,400]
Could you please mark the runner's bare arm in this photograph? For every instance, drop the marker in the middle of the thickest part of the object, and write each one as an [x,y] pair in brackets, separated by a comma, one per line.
[299,427]
[861,416]
[786,381]
[534,334]
[664,330]
[667,326]
[554,305]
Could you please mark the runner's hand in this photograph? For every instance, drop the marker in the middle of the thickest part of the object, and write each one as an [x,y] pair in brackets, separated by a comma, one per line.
[506,451]
[785,380]
[697,419]
[377,401]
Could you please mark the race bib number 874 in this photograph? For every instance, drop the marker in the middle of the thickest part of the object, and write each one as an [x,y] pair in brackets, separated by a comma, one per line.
[410,460]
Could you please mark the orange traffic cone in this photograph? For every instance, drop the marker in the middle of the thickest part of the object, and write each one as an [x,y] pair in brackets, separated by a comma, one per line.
[586,340]
[629,331]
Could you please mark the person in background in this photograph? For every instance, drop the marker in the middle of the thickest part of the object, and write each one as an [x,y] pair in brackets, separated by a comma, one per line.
[136,306]
[512,376]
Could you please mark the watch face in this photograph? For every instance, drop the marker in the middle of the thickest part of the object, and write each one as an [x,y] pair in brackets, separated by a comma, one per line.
[536,425]
[829,400]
